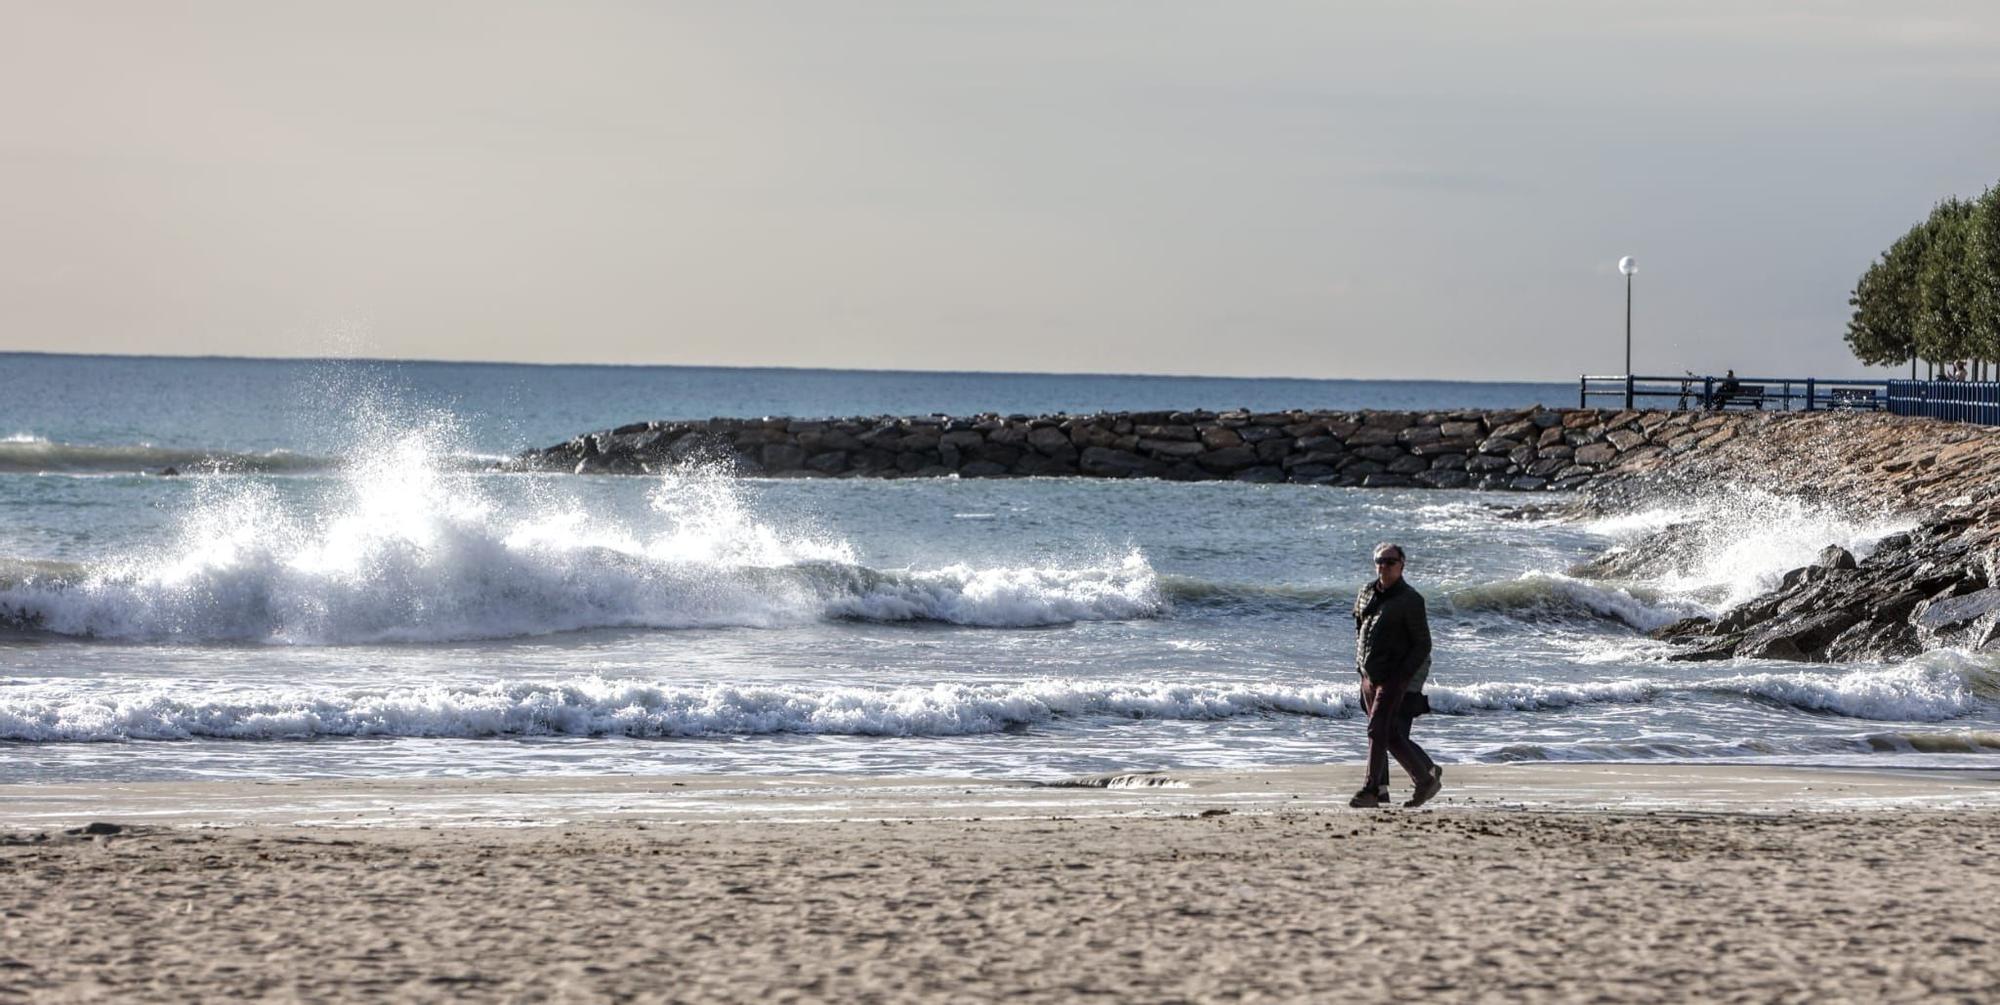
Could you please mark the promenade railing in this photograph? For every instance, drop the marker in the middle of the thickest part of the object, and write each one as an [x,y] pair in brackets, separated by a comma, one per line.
[1703,392]
[1963,401]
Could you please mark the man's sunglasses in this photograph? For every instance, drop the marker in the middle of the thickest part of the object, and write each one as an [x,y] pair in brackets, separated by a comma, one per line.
[1388,561]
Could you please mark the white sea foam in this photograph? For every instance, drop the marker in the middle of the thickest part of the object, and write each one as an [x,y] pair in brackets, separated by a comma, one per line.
[1535,696]
[600,707]
[1929,690]
[1742,543]
[412,553]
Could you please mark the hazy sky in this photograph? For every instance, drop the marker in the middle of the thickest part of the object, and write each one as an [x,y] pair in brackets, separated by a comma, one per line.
[1299,189]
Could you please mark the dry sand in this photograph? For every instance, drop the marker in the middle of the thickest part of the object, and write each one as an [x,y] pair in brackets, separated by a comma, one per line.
[1536,884]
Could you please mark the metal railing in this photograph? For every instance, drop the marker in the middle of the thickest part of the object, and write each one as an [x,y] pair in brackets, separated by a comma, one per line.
[1705,392]
[1963,401]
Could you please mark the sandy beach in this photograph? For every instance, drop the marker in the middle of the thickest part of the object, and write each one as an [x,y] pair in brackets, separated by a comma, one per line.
[1534,883]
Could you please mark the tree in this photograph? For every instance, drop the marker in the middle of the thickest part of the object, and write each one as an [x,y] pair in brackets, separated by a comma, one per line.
[1886,301]
[1946,324]
[1983,249]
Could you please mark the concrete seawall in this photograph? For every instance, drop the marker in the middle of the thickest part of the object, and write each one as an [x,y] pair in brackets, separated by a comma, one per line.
[1522,450]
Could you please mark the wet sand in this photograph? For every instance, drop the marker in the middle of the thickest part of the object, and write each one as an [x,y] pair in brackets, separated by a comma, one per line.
[1538,883]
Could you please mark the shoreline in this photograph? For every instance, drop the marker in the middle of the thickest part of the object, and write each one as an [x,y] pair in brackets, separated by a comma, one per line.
[1740,788]
[1233,893]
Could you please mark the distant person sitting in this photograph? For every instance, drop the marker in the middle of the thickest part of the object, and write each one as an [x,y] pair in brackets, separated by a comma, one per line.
[1957,371]
[1725,389]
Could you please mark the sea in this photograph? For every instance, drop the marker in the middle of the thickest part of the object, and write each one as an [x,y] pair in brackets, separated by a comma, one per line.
[337,584]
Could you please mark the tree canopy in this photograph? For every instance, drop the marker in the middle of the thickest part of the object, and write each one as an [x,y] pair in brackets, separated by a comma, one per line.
[1935,293]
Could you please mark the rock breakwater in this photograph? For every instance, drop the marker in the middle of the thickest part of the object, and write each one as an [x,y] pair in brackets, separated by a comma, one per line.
[1522,450]
[1936,586]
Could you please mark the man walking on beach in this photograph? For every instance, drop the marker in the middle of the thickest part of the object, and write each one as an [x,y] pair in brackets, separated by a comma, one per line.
[1392,652]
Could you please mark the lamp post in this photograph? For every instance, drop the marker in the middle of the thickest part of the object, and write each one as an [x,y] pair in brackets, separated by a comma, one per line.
[1629,267]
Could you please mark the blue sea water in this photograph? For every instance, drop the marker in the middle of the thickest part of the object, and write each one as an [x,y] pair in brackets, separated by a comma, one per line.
[355,594]
[262,404]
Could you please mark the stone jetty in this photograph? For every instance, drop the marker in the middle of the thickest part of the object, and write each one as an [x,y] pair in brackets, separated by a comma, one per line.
[1529,449]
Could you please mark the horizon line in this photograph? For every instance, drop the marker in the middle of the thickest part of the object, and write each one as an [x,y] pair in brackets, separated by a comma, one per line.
[423,361]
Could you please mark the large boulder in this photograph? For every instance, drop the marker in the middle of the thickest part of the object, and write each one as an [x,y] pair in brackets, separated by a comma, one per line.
[1105,462]
[1800,638]
[1171,449]
[1228,459]
[1453,445]
[1596,453]
[1373,436]
[779,457]
[1218,437]
[831,462]
[1625,439]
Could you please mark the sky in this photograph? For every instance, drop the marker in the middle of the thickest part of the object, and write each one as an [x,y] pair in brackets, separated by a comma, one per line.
[1312,189]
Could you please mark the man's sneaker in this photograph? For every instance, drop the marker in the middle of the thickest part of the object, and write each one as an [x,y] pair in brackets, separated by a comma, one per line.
[1427,788]
[1368,799]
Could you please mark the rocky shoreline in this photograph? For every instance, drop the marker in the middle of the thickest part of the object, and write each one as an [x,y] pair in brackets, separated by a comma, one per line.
[1936,586]
[1521,450]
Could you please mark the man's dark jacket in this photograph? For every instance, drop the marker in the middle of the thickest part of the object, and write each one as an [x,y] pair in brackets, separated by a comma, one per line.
[1392,636]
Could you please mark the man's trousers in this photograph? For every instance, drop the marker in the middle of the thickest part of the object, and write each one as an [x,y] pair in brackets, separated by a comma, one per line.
[1389,734]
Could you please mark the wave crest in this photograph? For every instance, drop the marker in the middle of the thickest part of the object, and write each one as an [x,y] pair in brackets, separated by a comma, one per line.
[483,589]
[33,455]
[406,552]
[1544,595]
[1932,688]
[600,707]
[597,706]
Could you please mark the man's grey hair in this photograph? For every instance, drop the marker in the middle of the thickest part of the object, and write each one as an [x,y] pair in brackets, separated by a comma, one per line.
[1388,546]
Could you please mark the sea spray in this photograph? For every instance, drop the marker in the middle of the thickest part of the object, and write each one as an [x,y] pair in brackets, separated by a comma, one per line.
[401,550]
[1731,545]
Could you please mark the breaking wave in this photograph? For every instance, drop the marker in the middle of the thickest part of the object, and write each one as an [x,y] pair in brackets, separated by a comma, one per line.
[1538,596]
[1920,691]
[1733,546]
[403,551]
[1932,688]
[600,707]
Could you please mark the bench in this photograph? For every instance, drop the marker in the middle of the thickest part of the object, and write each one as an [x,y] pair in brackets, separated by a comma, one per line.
[1740,396]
